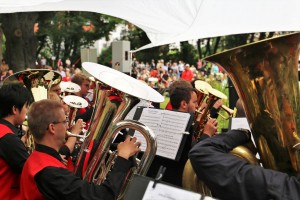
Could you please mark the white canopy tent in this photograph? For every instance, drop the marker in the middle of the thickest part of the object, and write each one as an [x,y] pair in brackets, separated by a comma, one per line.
[168,21]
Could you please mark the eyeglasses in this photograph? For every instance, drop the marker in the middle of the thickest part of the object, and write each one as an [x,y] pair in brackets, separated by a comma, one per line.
[64,122]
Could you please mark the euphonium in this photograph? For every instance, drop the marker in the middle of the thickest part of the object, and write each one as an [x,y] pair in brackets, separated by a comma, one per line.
[265,75]
[38,82]
[104,112]
[129,90]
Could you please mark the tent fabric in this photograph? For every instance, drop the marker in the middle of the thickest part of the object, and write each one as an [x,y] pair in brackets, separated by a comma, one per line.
[169,21]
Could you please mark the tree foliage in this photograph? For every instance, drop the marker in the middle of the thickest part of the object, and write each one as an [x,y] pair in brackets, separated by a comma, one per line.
[139,38]
[66,32]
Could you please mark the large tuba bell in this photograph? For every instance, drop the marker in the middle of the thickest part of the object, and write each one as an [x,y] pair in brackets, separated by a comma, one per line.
[38,82]
[265,75]
[110,122]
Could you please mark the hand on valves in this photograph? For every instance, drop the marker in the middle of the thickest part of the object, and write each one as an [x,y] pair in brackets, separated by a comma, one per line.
[211,127]
[128,148]
[77,128]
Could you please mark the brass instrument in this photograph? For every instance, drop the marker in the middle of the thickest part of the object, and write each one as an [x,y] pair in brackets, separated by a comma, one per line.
[213,96]
[38,82]
[69,134]
[230,112]
[108,121]
[68,88]
[202,93]
[265,75]
[104,112]
[74,102]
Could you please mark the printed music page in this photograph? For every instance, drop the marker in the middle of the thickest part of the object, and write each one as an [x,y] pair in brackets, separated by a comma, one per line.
[239,122]
[165,192]
[168,127]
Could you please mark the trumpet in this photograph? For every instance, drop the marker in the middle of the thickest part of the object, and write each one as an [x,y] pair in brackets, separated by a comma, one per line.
[212,97]
[230,112]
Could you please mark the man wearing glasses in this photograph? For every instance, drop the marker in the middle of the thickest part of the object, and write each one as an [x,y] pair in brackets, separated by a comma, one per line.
[45,176]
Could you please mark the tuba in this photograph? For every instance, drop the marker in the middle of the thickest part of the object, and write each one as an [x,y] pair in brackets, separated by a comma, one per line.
[265,75]
[38,82]
[108,120]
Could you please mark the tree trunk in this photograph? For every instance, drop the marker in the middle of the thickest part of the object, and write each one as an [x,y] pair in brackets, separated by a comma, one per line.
[199,48]
[1,44]
[21,42]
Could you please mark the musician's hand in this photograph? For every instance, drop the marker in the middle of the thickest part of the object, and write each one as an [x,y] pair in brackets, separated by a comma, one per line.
[211,127]
[77,128]
[64,159]
[218,104]
[129,147]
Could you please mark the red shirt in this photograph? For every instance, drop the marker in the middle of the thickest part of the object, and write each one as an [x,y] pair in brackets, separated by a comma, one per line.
[36,162]
[187,75]
[9,180]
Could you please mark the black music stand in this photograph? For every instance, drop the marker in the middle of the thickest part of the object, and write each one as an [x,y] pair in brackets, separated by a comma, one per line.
[138,185]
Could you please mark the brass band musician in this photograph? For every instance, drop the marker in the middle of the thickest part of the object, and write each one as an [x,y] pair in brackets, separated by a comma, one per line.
[47,175]
[14,102]
[184,99]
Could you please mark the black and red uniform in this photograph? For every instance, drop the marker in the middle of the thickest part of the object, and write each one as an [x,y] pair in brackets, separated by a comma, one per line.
[13,155]
[36,162]
[52,180]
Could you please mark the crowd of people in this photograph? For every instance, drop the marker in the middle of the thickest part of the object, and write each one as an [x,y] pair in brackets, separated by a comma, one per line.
[163,73]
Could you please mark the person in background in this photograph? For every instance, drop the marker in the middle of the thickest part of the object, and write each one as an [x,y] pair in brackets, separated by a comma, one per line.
[68,76]
[187,74]
[14,102]
[183,99]
[44,171]
[61,71]
[84,82]
[56,89]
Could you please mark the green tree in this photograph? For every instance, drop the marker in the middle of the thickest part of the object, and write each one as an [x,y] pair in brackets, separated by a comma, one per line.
[188,53]
[106,56]
[67,32]
[139,38]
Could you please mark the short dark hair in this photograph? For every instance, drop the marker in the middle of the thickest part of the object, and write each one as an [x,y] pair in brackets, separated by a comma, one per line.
[181,94]
[13,95]
[179,83]
[79,78]
[40,115]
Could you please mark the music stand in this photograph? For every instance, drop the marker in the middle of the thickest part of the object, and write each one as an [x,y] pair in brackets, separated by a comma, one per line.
[139,185]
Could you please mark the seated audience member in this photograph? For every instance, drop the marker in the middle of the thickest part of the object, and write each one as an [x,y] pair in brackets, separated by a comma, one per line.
[44,171]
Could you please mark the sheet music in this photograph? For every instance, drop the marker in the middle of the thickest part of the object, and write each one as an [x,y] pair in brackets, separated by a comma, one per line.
[142,103]
[165,192]
[239,122]
[168,127]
